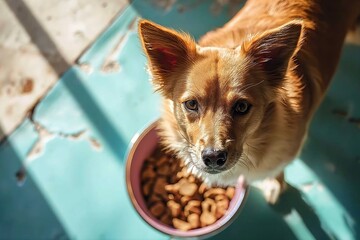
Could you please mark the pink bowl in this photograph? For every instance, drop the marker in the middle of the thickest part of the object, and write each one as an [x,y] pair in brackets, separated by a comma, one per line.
[142,145]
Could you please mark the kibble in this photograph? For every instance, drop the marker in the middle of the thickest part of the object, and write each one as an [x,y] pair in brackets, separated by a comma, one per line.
[213,192]
[188,189]
[230,192]
[157,209]
[174,207]
[181,225]
[179,199]
[194,220]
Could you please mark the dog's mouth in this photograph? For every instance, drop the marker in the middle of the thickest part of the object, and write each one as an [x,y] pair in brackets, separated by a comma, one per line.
[213,170]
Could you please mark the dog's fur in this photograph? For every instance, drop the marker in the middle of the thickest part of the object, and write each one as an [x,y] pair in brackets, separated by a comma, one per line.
[278,55]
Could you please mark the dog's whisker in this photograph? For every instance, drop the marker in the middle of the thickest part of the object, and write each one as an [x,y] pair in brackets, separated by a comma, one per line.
[249,85]
[246,166]
[250,146]
[249,160]
[228,142]
[185,138]
[253,85]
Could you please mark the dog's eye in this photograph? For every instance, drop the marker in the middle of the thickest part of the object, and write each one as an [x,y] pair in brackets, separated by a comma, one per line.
[241,107]
[191,105]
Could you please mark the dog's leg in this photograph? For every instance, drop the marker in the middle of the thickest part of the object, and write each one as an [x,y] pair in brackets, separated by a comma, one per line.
[273,187]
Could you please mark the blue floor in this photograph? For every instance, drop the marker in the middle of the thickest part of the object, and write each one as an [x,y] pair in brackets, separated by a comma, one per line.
[75,184]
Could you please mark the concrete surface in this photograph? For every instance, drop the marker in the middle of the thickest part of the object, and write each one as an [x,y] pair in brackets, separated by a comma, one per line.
[39,40]
[70,154]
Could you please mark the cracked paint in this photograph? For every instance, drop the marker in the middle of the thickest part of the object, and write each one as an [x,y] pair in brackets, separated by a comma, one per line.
[86,68]
[39,145]
[111,64]
[307,187]
[95,144]
[45,136]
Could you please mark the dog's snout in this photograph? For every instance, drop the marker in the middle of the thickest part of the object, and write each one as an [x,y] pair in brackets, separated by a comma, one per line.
[214,158]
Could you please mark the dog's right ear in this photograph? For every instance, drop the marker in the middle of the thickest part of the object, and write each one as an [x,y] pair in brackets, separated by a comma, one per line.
[167,52]
[273,49]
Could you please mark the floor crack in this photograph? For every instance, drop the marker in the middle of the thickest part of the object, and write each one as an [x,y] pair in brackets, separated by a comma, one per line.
[45,136]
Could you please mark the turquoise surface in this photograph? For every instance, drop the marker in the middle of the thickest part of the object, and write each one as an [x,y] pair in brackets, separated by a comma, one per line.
[75,186]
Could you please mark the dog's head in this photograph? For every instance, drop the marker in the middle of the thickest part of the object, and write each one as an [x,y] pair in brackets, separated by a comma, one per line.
[223,99]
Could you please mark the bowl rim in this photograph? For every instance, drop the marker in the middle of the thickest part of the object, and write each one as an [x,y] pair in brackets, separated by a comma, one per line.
[135,141]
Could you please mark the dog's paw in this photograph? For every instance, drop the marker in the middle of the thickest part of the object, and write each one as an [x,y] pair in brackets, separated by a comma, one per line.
[272,189]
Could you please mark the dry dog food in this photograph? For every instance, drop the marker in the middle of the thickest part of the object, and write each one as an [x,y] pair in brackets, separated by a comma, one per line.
[177,198]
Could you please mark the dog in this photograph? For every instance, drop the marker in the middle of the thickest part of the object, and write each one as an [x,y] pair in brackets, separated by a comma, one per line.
[239,102]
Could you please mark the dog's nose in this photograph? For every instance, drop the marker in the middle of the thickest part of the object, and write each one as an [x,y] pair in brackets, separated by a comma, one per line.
[213,158]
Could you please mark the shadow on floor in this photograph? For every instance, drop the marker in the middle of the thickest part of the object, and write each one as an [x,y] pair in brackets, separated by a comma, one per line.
[291,200]
[257,221]
[339,174]
[332,150]
[27,212]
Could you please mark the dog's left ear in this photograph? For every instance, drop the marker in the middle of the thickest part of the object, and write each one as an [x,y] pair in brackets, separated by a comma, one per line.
[167,51]
[272,50]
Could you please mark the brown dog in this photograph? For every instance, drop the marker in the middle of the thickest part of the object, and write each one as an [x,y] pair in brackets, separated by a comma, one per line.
[240,101]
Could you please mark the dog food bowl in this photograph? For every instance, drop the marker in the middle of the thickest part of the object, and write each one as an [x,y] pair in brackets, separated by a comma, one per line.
[142,146]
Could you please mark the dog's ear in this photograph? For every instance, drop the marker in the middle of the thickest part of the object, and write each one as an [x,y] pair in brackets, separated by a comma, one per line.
[167,52]
[273,49]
